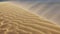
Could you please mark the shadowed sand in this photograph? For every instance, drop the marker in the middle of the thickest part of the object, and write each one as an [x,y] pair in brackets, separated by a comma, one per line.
[15,20]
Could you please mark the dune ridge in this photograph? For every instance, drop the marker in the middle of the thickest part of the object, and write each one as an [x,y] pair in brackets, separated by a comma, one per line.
[15,20]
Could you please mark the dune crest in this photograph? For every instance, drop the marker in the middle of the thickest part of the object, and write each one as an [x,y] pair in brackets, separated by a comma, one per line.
[15,20]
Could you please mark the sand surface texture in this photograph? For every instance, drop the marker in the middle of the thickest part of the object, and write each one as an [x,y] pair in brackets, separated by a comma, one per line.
[15,20]
[50,11]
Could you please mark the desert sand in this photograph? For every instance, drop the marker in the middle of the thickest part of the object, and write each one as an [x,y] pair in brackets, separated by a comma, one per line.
[15,20]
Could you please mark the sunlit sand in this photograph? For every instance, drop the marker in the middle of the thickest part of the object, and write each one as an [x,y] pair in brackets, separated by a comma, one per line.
[15,20]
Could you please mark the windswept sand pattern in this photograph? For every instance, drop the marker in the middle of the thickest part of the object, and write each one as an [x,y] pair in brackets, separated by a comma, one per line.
[14,20]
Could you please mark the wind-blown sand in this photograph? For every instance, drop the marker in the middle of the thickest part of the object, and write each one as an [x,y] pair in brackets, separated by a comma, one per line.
[15,20]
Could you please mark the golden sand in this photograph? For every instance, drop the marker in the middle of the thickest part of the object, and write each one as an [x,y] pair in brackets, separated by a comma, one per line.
[14,20]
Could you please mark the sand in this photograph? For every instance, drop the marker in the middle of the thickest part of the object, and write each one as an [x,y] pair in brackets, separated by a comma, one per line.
[15,20]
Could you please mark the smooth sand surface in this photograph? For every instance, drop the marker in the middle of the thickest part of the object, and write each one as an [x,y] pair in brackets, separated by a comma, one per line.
[15,20]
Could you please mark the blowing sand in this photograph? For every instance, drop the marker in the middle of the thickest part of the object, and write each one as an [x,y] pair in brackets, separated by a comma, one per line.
[14,20]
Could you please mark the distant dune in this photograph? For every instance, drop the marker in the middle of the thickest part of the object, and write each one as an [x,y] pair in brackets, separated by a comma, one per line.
[15,20]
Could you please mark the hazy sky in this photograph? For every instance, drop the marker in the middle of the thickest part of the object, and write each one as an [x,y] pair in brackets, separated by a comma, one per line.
[38,0]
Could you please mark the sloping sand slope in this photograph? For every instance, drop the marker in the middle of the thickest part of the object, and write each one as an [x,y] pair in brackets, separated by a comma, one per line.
[14,20]
[50,11]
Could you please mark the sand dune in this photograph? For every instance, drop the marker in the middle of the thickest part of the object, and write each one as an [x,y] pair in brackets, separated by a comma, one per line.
[15,20]
[50,11]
